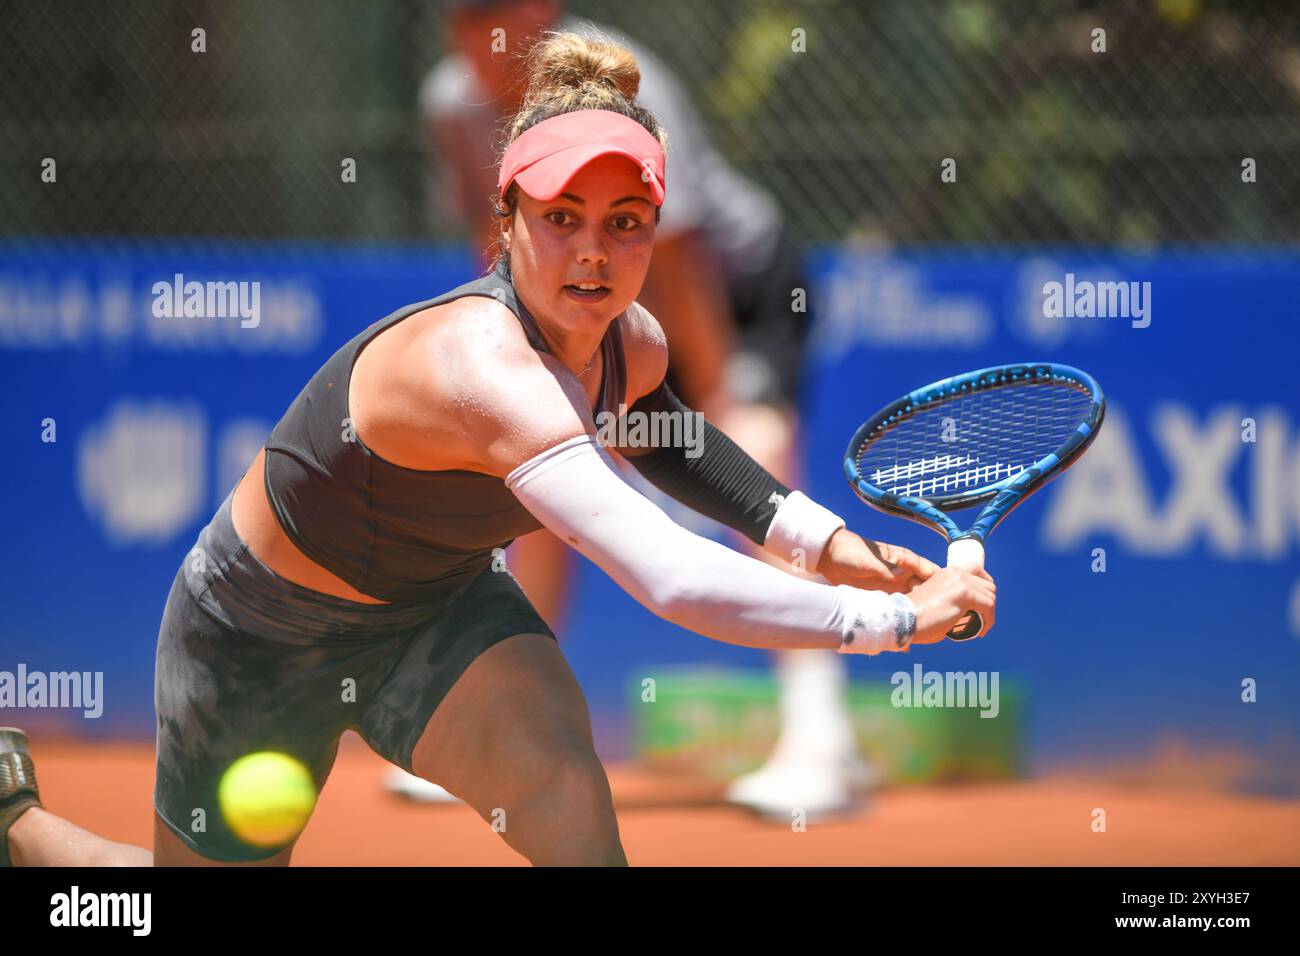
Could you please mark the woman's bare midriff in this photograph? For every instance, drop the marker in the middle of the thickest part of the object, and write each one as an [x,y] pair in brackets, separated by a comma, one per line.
[378,364]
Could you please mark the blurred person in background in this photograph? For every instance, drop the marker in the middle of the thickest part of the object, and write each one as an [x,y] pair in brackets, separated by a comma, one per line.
[722,283]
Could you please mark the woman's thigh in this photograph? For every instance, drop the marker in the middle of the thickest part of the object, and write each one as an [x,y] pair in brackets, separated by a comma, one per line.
[513,712]
[513,739]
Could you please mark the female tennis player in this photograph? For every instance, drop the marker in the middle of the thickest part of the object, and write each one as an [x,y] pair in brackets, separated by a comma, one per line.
[349,581]
[721,280]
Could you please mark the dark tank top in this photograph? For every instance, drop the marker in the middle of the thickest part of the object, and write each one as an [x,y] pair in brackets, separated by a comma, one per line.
[394,533]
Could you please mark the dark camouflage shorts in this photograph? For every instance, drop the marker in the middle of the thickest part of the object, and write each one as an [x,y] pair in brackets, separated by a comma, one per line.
[249,661]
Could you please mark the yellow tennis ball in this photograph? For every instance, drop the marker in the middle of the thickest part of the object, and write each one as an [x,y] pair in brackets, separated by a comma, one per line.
[266,798]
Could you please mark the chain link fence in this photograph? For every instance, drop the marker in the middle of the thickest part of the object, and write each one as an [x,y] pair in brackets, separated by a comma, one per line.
[844,109]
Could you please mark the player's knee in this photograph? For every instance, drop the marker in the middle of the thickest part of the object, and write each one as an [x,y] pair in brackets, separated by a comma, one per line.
[574,788]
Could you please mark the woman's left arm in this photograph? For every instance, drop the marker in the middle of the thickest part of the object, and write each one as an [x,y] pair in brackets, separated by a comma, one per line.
[715,477]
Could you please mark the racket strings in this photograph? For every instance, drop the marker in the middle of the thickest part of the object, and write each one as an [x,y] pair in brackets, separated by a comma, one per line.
[963,443]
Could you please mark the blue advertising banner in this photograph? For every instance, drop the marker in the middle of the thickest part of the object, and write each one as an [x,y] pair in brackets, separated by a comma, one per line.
[1157,583]
[1145,593]
[127,426]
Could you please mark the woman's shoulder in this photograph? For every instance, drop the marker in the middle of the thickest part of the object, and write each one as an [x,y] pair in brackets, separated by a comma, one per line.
[482,392]
[473,328]
[475,353]
[645,350]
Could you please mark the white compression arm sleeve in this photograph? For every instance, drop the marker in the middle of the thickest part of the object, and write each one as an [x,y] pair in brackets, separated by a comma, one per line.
[575,490]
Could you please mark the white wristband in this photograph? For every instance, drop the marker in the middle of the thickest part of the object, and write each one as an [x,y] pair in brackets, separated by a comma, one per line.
[872,625]
[801,526]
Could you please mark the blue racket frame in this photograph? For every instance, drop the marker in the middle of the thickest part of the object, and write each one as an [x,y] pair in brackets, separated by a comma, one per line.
[1000,498]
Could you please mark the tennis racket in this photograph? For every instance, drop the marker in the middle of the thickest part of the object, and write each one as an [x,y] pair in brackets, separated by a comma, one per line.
[991,437]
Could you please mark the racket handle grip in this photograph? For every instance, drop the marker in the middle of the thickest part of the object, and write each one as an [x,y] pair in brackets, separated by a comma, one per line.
[966,553]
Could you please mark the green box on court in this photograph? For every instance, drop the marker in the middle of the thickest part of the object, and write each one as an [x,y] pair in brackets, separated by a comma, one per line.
[721,722]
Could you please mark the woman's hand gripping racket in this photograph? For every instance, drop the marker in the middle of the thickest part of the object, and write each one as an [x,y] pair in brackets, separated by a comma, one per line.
[991,438]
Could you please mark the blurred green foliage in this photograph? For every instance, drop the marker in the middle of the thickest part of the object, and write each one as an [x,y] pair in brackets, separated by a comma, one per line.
[1141,144]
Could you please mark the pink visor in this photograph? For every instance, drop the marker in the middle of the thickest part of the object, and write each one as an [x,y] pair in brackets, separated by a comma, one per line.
[545,157]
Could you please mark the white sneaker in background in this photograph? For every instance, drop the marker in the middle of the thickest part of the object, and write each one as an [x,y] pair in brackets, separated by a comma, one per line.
[779,788]
[416,788]
[815,766]
[864,777]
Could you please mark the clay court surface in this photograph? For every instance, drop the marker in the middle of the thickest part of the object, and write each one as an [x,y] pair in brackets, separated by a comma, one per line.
[107,788]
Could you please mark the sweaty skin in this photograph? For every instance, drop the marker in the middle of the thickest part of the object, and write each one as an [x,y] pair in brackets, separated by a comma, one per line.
[458,386]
